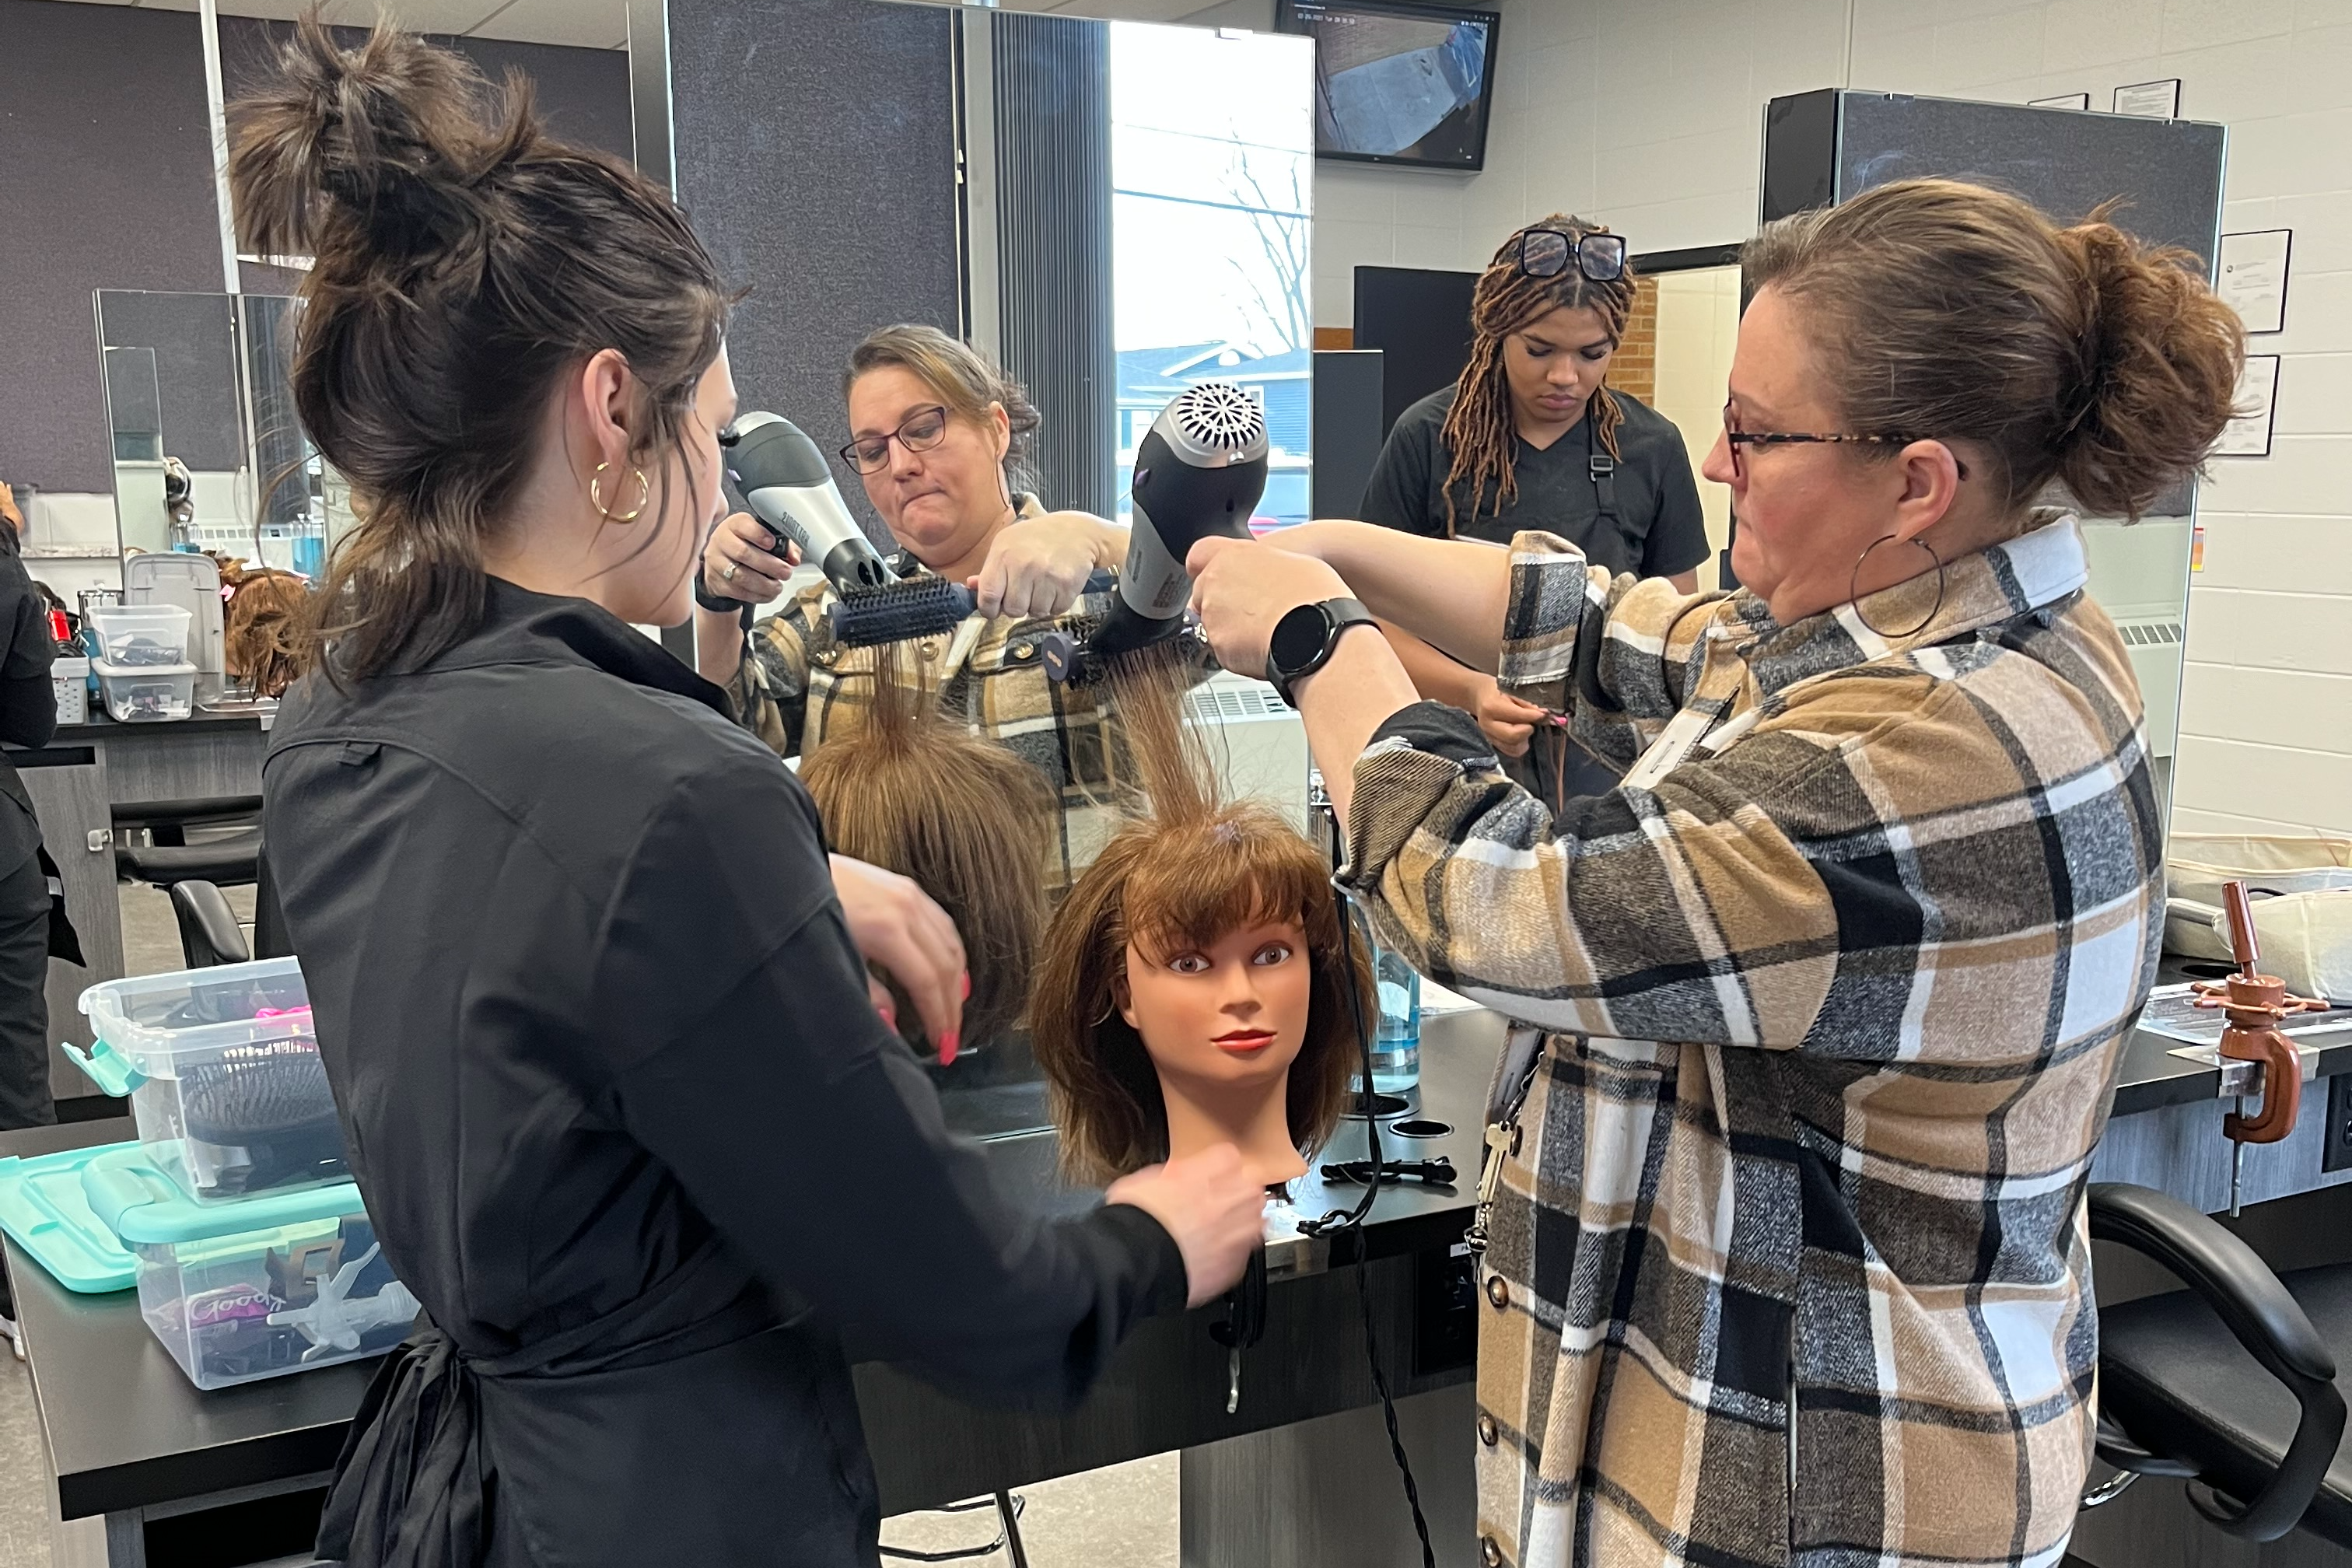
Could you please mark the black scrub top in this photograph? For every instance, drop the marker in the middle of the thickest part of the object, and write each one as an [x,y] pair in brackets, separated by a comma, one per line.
[1641,515]
[626,1123]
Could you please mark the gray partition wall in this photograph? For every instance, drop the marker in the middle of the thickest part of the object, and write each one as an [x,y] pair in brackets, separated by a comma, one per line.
[816,153]
[1051,124]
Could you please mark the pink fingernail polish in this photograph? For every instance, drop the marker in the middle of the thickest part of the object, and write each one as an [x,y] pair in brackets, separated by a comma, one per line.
[948,1049]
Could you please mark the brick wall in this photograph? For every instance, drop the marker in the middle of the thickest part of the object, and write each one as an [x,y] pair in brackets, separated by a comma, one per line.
[1634,371]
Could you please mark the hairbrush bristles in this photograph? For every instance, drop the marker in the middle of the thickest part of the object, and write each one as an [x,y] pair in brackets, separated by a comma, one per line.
[920,607]
[273,1102]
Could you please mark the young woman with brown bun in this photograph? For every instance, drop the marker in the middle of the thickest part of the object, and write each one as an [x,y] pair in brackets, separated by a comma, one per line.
[1531,435]
[1788,1264]
[596,1022]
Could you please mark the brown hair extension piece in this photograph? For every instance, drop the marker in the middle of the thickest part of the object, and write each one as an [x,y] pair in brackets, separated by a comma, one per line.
[1191,870]
[262,640]
[1946,312]
[969,821]
[1480,431]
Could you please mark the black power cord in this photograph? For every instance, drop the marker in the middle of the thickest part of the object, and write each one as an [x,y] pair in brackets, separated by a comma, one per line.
[1353,1219]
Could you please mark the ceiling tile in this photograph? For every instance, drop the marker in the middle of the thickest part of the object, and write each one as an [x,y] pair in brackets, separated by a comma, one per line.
[589,24]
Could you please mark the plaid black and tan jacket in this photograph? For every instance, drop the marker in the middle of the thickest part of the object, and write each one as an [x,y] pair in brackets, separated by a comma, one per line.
[798,685]
[1837,984]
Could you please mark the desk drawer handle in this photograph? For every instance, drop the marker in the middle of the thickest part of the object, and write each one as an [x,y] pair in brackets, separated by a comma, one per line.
[100,840]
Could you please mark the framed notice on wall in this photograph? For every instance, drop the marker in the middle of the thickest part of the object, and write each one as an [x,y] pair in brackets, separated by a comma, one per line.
[2063,100]
[2249,435]
[2251,278]
[2150,100]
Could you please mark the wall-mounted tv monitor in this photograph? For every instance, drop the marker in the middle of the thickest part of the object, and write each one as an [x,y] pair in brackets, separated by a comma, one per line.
[1397,82]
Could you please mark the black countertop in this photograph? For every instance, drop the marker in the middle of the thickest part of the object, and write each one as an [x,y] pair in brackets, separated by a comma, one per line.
[99,727]
[127,1429]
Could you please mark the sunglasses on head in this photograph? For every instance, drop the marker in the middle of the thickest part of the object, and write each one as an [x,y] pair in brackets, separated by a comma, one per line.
[1549,252]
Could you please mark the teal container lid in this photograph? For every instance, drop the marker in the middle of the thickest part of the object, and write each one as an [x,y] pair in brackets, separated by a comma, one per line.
[141,1204]
[42,1205]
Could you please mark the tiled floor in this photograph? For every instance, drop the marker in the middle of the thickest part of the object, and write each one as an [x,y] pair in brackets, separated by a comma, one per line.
[1124,1517]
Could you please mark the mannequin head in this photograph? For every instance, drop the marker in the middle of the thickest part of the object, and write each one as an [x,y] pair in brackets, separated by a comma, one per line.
[1178,933]
[967,821]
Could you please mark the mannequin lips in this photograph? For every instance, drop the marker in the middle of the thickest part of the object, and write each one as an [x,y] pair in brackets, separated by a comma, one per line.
[1243,1042]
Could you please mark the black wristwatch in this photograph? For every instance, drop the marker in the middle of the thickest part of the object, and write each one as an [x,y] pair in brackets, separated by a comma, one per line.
[708,601]
[1303,640]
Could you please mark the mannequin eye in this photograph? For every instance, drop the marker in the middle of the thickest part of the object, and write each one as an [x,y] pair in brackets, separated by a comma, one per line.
[1272,954]
[1190,963]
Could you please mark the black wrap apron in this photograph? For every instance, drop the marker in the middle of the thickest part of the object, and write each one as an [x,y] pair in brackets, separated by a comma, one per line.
[586,1447]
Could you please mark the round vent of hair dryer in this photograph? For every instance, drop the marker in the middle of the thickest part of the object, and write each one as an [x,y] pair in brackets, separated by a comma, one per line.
[1218,417]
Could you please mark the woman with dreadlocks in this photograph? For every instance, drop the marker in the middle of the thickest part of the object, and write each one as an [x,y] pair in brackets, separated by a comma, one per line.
[1529,436]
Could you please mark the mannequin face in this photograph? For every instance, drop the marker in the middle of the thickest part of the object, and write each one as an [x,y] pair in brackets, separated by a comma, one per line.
[1227,1016]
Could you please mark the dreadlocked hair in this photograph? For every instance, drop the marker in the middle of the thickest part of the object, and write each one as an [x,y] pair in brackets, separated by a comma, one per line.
[1480,431]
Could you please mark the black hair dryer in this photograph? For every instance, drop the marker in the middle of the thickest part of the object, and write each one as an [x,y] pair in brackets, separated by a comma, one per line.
[1199,472]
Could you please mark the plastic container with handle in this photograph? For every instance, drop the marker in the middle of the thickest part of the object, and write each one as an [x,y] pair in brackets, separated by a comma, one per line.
[222,1069]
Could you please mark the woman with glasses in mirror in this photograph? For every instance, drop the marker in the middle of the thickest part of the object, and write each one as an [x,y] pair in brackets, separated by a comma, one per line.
[1531,436]
[938,435]
[1784,1255]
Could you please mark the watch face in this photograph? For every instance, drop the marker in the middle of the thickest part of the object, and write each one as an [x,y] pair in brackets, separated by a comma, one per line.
[1298,637]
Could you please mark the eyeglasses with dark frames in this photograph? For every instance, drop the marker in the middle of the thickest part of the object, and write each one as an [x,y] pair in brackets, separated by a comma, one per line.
[1549,252]
[1735,438]
[920,431]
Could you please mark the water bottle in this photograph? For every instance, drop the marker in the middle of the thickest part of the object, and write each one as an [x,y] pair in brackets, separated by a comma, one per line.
[1396,1049]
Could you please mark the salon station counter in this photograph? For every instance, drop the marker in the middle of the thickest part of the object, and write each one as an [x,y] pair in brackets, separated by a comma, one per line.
[77,782]
[147,1469]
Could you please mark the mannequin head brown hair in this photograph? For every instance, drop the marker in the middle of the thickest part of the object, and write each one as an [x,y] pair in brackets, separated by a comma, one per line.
[262,637]
[969,821]
[1169,887]
[1182,876]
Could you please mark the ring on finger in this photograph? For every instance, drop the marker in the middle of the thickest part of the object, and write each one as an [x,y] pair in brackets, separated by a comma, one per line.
[727,575]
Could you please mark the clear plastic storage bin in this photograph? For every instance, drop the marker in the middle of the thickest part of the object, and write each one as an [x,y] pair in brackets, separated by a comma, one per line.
[222,1069]
[280,1284]
[147,692]
[140,636]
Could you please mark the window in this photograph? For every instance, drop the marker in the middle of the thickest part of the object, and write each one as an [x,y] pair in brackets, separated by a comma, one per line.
[1213,146]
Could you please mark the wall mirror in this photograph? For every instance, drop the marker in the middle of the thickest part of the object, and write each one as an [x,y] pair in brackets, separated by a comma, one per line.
[199,382]
[1115,211]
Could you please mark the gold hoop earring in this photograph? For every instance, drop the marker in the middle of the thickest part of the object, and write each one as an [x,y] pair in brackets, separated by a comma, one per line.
[596,495]
[1853,598]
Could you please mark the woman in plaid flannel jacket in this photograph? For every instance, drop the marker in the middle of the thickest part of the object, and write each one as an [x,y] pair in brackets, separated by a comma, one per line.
[938,436]
[1787,1262]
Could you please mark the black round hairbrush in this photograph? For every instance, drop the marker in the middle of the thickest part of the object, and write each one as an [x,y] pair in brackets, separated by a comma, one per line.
[273,1102]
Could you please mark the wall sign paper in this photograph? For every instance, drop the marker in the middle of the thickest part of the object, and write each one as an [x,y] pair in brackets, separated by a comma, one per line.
[2249,435]
[2150,100]
[2252,279]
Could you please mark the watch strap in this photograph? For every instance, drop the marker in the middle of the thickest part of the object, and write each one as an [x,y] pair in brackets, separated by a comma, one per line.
[1339,615]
